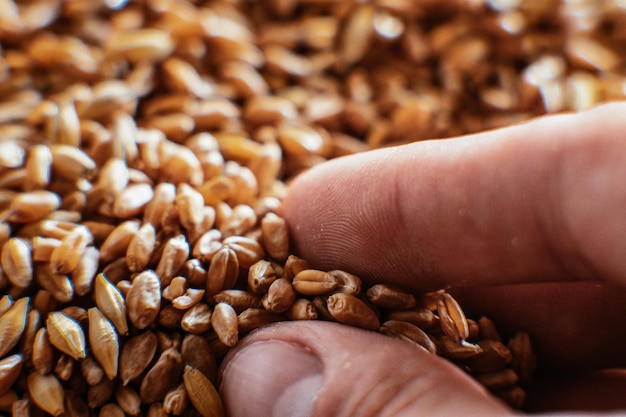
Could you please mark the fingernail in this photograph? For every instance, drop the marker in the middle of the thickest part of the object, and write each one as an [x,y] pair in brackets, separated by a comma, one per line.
[271,379]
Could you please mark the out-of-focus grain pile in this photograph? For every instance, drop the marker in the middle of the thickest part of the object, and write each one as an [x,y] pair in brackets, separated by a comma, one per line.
[145,146]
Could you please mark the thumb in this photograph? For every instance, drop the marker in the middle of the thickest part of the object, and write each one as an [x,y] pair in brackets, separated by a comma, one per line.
[317,369]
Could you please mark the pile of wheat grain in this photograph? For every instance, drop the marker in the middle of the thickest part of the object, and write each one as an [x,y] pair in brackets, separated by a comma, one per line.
[145,147]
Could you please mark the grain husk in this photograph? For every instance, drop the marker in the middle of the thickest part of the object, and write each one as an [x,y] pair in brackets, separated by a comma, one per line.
[66,335]
[202,393]
[452,319]
[12,324]
[104,342]
[111,303]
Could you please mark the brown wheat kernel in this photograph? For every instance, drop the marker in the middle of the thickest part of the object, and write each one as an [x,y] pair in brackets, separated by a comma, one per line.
[136,355]
[75,406]
[38,166]
[156,410]
[189,204]
[44,302]
[457,351]
[128,399]
[175,288]
[12,324]
[111,303]
[132,200]
[65,258]
[104,342]
[46,392]
[167,340]
[238,299]
[16,262]
[487,329]
[254,318]
[5,303]
[197,353]
[279,297]
[100,393]
[42,248]
[163,376]
[224,323]
[71,163]
[294,265]
[32,206]
[176,400]
[202,393]
[64,367]
[452,319]
[174,256]
[82,276]
[386,296]
[10,368]
[419,316]
[348,283]
[223,271]
[43,354]
[170,317]
[111,410]
[314,282]
[190,298]
[116,244]
[350,310]
[260,276]
[33,324]
[493,356]
[302,309]
[410,333]
[524,360]
[20,408]
[57,285]
[143,301]
[91,370]
[66,335]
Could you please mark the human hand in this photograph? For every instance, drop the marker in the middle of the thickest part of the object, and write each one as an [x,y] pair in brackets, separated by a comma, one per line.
[526,223]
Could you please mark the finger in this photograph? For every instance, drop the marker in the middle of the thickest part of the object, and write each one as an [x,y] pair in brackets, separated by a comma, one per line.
[573,326]
[322,369]
[542,201]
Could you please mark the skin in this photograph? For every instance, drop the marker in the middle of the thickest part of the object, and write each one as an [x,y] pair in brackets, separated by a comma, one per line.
[524,224]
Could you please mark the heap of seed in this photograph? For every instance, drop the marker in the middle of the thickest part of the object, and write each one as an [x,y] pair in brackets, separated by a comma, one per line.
[145,147]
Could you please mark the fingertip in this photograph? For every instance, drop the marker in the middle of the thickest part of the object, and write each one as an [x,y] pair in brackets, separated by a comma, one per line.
[501,207]
[324,369]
